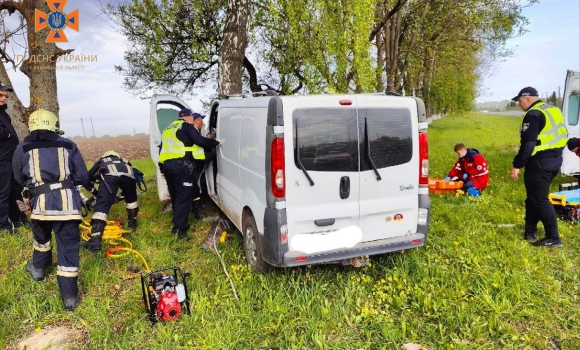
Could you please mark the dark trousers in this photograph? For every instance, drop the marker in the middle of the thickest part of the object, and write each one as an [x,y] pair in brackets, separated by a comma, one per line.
[10,191]
[537,178]
[180,183]
[106,199]
[67,256]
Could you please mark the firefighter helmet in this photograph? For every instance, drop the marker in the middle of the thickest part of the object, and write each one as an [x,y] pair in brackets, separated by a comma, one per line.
[43,120]
[111,154]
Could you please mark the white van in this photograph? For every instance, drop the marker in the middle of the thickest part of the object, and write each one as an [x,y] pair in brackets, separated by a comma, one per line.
[571,112]
[315,179]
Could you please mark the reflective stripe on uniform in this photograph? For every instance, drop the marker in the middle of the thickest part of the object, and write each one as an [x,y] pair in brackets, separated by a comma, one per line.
[66,271]
[554,134]
[173,148]
[46,247]
[61,165]
[99,216]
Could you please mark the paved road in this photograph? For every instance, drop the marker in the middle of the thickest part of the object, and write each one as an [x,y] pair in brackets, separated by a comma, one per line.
[514,113]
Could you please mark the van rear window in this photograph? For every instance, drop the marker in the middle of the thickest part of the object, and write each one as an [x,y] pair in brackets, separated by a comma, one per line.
[390,135]
[329,139]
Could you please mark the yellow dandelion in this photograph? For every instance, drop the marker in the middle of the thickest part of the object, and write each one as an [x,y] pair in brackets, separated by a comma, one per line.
[517,209]
[383,280]
[456,243]
[525,261]
[390,279]
[495,285]
[462,292]
[37,329]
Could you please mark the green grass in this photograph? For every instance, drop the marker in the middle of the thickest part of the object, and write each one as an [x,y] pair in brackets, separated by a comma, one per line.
[475,285]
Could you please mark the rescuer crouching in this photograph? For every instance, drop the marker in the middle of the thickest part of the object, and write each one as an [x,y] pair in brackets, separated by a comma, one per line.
[111,172]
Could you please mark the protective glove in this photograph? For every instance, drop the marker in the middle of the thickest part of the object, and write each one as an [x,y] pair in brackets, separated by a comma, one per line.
[465,176]
[447,179]
[474,192]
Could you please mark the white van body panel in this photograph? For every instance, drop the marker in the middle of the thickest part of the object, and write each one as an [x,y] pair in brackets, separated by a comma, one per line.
[571,111]
[241,127]
[163,109]
[305,203]
[389,207]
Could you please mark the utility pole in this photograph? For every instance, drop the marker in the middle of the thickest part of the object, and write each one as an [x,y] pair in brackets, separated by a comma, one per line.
[83,125]
[91,119]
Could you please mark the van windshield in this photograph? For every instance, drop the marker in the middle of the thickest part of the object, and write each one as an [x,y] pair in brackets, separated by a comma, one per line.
[330,138]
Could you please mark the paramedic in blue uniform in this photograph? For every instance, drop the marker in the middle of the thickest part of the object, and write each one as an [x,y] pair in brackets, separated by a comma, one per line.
[10,190]
[181,153]
[51,167]
[111,172]
[543,136]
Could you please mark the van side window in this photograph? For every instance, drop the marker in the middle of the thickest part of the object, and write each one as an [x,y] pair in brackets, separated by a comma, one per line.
[327,139]
[390,134]
[573,108]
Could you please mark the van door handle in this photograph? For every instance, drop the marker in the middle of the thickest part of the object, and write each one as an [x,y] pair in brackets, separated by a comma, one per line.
[324,222]
[344,187]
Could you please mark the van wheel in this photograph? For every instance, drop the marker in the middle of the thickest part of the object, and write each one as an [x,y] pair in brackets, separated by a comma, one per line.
[252,246]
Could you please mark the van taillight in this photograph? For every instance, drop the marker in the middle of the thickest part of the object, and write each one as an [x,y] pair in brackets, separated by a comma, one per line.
[423,159]
[277,168]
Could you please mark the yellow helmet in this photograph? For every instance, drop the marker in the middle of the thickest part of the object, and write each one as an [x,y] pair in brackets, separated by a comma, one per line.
[43,120]
[111,154]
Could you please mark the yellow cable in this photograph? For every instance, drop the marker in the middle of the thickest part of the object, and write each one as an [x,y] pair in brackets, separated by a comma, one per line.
[113,235]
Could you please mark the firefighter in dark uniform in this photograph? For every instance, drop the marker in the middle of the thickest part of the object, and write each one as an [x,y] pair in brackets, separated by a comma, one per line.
[10,190]
[50,167]
[182,152]
[111,172]
[543,136]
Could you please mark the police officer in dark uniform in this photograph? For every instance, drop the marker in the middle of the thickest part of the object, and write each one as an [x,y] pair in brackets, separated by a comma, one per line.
[51,167]
[182,151]
[543,136]
[10,189]
[112,173]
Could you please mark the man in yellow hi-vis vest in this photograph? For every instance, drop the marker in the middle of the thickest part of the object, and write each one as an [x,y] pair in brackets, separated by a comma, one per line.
[543,136]
[181,152]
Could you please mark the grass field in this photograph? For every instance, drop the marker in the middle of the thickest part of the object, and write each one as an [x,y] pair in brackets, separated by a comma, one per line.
[475,285]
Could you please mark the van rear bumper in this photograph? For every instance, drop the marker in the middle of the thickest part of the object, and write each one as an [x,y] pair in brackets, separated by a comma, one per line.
[382,246]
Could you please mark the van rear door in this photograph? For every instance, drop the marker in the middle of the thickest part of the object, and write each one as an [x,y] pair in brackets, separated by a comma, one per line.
[321,151]
[389,166]
[571,111]
[163,109]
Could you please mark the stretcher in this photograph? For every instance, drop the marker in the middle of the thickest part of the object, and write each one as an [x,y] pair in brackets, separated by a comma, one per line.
[567,204]
[440,186]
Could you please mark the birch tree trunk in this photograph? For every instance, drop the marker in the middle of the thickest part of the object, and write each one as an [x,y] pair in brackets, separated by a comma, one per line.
[233,47]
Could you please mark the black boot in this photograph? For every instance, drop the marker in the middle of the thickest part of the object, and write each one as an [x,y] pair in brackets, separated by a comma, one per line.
[132,218]
[94,242]
[197,209]
[182,233]
[70,303]
[37,274]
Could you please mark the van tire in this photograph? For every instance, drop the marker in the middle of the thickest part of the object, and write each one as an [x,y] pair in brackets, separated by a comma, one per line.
[252,246]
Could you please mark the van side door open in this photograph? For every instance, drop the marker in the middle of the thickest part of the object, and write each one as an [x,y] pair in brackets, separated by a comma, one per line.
[571,112]
[163,110]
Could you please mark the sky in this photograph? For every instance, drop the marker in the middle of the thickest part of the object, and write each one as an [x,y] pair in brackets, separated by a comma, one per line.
[542,56]
[93,102]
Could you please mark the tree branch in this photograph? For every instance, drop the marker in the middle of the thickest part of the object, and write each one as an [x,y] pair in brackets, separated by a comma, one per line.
[388,16]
